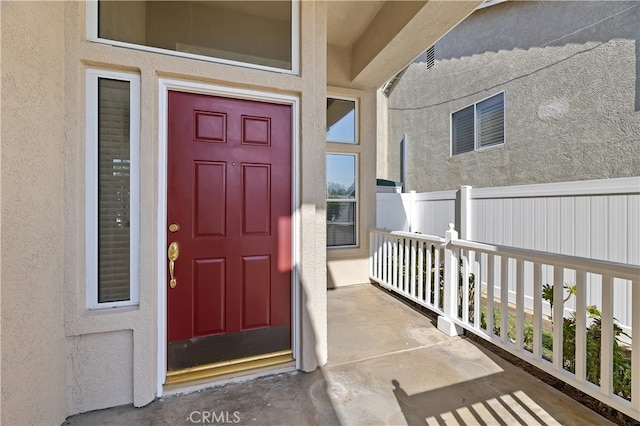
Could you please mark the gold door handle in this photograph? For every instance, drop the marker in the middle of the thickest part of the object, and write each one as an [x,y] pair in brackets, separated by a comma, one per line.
[173,254]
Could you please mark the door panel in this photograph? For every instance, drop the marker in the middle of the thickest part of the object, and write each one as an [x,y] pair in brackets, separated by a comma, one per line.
[256,294]
[209,289]
[210,187]
[256,188]
[229,190]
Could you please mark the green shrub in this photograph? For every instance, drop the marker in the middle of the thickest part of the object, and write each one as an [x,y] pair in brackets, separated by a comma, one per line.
[621,357]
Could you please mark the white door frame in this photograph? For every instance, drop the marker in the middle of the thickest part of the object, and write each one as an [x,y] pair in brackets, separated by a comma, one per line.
[164,86]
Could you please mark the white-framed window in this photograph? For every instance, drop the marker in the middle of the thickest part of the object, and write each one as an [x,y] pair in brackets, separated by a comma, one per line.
[478,126]
[342,196]
[112,188]
[261,34]
[342,120]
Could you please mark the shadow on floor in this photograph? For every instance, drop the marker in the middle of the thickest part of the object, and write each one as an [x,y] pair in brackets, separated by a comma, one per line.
[474,402]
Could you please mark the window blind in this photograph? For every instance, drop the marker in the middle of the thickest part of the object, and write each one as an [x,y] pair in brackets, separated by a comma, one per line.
[490,120]
[341,229]
[113,190]
[463,131]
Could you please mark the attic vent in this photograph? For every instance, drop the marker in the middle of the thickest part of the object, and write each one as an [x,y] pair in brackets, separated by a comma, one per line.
[430,56]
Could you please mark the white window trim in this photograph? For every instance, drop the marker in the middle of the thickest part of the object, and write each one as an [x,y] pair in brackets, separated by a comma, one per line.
[92,35]
[477,148]
[357,119]
[91,187]
[355,200]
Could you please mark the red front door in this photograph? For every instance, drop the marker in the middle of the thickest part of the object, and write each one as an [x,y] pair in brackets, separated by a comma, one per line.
[229,212]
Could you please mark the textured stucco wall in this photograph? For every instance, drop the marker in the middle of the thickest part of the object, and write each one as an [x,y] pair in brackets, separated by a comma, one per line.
[313,252]
[33,137]
[570,96]
[95,360]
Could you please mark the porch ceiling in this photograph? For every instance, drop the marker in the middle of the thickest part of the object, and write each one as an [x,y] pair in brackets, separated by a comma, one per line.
[368,42]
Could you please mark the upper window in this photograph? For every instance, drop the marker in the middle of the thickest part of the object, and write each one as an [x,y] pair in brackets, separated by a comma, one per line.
[260,33]
[112,188]
[478,126]
[341,120]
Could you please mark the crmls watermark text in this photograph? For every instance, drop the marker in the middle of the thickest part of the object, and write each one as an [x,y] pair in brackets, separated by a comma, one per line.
[214,417]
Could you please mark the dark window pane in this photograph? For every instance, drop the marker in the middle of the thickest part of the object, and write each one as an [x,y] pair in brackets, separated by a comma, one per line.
[341,176]
[113,190]
[463,131]
[255,32]
[341,230]
[491,121]
[341,120]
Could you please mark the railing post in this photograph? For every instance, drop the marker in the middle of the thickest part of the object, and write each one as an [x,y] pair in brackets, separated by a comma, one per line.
[450,293]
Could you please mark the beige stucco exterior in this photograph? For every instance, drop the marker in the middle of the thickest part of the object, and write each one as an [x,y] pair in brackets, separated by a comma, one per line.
[58,358]
[33,134]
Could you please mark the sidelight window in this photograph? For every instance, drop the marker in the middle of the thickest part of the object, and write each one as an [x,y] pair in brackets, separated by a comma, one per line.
[112,188]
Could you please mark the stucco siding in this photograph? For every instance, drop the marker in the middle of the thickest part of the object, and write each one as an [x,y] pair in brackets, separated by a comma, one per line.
[100,367]
[33,137]
[570,97]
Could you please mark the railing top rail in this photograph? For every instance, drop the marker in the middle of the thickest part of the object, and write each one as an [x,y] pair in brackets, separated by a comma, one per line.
[420,237]
[436,196]
[618,270]
[627,185]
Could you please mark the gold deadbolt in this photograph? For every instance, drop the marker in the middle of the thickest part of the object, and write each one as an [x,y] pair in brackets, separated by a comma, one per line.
[174,227]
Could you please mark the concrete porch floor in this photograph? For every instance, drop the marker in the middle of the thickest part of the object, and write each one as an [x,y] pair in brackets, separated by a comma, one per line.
[388,365]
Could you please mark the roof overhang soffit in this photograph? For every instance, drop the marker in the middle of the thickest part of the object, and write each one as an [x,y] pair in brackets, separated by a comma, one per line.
[399,33]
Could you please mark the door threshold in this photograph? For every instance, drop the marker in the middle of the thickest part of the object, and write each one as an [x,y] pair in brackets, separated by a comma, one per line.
[189,376]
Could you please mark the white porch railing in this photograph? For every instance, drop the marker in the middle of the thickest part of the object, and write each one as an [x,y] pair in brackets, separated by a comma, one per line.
[598,219]
[466,282]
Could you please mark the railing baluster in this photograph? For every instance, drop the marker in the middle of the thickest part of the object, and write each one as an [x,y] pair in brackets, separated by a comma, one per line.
[436,277]
[635,345]
[429,277]
[389,261]
[606,337]
[504,299]
[407,272]
[383,261]
[557,315]
[373,256]
[490,293]
[412,280]
[396,265]
[421,247]
[581,325]
[465,286]
[476,289]
[520,304]
[399,282]
[537,311]
[378,258]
